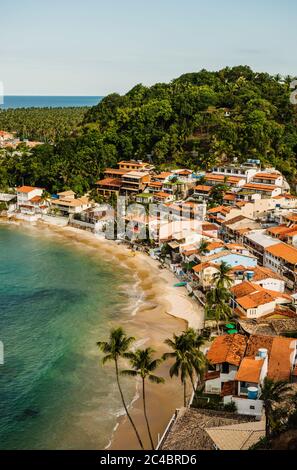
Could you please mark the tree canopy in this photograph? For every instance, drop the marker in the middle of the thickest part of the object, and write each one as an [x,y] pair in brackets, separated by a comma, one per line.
[197,120]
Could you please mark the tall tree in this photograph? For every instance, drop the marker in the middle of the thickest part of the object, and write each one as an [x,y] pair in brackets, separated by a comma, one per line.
[115,348]
[143,365]
[222,278]
[218,305]
[272,392]
[187,361]
[203,247]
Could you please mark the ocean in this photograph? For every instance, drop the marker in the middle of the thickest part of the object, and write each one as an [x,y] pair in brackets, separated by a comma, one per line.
[15,102]
[57,299]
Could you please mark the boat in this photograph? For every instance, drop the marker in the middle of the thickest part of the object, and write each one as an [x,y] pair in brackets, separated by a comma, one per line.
[180,284]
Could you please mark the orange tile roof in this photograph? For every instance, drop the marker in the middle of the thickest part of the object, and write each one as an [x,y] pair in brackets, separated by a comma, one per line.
[280,351]
[283,251]
[278,229]
[163,175]
[257,342]
[200,267]
[214,245]
[162,195]
[235,246]
[227,348]
[241,203]
[229,197]
[261,187]
[203,188]
[36,199]
[26,189]
[250,370]
[239,218]
[115,171]
[221,178]
[272,176]
[210,227]
[261,273]
[255,299]
[184,172]
[280,362]
[244,288]
[110,182]
[155,184]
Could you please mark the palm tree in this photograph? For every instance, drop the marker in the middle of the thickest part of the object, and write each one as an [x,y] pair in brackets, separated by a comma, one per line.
[272,392]
[187,359]
[202,248]
[114,349]
[143,365]
[198,360]
[222,278]
[217,305]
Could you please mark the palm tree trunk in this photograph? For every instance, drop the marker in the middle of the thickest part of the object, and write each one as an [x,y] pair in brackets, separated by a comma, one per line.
[185,394]
[145,415]
[125,406]
[267,422]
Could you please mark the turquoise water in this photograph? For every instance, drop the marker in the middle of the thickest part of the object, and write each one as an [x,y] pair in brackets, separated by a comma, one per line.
[48,101]
[55,303]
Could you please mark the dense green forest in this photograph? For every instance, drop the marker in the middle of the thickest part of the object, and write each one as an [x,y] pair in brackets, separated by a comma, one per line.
[42,124]
[196,120]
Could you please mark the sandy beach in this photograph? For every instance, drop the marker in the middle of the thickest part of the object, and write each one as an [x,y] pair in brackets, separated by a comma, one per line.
[162,311]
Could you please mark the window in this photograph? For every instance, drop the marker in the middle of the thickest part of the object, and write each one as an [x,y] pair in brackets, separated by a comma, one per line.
[252,407]
[225,368]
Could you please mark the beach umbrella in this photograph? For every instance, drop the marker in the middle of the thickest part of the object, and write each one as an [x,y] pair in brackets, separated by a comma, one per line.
[230,326]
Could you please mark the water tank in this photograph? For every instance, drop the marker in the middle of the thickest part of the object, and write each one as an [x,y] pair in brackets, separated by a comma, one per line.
[262,353]
[252,393]
[249,275]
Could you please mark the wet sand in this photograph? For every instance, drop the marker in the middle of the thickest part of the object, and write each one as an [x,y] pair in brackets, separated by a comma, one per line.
[162,311]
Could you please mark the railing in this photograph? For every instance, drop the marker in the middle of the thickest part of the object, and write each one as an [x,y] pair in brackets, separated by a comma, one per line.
[167,430]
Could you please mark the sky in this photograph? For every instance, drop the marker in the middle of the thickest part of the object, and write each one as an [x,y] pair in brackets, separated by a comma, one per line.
[95,47]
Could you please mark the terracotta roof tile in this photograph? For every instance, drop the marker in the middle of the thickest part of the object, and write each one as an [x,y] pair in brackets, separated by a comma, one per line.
[250,370]
[284,251]
[280,361]
[227,348]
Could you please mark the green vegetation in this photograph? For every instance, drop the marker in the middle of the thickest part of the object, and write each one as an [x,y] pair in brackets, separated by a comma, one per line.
[116,348]
[272,393]
[195,121]
[188,359]
[143,366]
[42,124]
[189,363]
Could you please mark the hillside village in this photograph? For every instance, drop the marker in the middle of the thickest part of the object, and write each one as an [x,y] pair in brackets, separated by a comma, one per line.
[234,227]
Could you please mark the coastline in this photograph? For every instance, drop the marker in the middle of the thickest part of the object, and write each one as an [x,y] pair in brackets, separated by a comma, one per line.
[160,311]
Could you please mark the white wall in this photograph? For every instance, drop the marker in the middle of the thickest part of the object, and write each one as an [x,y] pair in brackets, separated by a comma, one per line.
[277,285]
[246,407]
[214,385]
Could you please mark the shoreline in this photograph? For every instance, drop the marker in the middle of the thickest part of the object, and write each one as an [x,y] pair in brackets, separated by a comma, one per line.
[161,310]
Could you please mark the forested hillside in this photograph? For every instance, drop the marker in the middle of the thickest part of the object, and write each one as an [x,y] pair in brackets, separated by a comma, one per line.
[42,124]
[195,121]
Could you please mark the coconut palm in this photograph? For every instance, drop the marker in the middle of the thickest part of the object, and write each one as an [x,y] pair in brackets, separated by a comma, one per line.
[202,248]
[143,365]
[114,349]
[187,359]
[272,392]
[218,305]
[198,360]
[222,278]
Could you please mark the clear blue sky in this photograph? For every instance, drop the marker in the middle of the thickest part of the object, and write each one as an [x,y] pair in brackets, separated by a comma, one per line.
[94,47]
